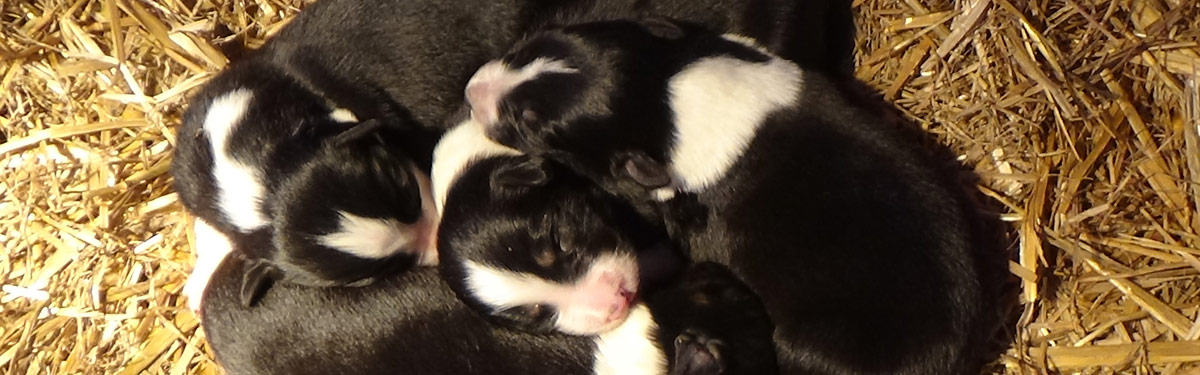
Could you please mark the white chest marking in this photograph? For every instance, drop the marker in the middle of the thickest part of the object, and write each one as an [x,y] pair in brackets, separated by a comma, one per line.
[719,104]
[630,349]
[239,186]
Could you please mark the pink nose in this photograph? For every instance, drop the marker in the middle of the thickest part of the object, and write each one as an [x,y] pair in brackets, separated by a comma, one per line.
[608,297]
[482,97]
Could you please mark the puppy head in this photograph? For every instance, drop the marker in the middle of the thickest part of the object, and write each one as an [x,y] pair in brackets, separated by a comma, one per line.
[533,246]
[561,89]
[357,207]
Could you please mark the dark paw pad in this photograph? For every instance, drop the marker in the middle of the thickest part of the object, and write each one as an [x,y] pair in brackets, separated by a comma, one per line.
[697,354]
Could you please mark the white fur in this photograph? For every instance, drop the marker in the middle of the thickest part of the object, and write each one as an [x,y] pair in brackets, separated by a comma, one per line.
[459,148]
[719,103]
[631,348]
[239,186]
[211,248]
[495,79]
[502,289]
[377,238]
[371,238]
[343,115]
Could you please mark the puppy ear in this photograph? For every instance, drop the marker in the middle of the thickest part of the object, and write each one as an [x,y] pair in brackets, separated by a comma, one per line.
[662,27]
[533,171]
[643,170]
[255,281]
[356,132]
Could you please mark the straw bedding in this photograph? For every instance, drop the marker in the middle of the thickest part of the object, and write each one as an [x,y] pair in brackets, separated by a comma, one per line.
[1079,116]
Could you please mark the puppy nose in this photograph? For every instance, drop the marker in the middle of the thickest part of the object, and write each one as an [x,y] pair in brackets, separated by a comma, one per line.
[481,98]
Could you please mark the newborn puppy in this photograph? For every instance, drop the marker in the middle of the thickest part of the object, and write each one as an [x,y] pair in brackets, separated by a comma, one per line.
[530,244]
[412,323]
[340,197]
[864,256]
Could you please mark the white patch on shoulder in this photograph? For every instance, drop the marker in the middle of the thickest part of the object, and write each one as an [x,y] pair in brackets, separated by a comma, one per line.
[495,79]
[371,238]
[239,186]
[631,348]
[719,103]
[459,148]
[211,248]
[343,115]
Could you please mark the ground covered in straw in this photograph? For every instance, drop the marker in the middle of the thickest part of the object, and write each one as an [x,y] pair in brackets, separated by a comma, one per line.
[1080,117]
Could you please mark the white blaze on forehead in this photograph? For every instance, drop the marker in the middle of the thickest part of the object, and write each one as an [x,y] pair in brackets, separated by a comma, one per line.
[631,348]
[495,79]
[211,248]
[459,148]
[719,104]
[343,115]
[503,289]
[239,186]
[368,237]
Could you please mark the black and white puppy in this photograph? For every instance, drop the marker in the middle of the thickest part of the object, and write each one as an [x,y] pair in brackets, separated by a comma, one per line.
[529,243]
[249,143]
[412,323]
[864,256]
[341,197]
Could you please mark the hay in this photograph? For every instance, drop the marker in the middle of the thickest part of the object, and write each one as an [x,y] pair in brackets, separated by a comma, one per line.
[1079,115]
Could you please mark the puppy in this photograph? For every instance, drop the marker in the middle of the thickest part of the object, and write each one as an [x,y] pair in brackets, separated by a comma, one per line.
[250,145]
[411,322]
[530,244]
[863,255]
[340,197]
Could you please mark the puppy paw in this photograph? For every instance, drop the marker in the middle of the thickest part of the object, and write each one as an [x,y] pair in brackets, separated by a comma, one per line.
[698,354]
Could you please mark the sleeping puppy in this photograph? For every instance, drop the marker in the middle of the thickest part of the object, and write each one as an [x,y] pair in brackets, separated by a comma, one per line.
[251,145]
[412,323]
[340,197]
[530,244]
[863,255]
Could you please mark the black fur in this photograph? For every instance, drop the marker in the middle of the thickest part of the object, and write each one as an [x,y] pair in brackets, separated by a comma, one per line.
[864,256]
[412,323]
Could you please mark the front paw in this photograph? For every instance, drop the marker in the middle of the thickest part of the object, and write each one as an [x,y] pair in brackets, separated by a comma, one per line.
[698,354]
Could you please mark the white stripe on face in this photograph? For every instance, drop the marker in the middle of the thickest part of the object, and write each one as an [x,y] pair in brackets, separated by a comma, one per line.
[367,237]
[377,238]
[719,103]
[239,186]
[596,302]
[495,79]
